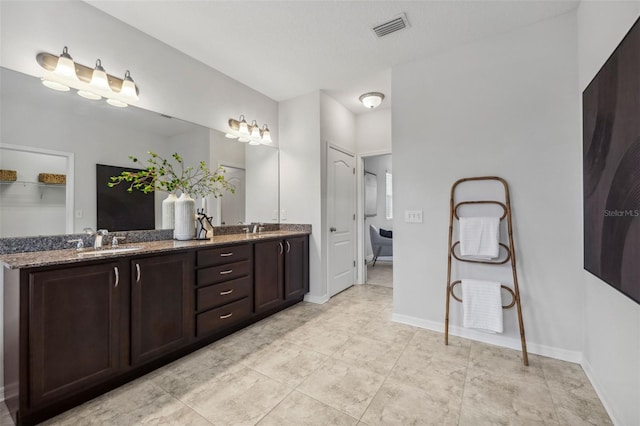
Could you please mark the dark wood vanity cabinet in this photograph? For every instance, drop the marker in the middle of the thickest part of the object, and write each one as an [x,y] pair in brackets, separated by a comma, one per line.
[77,328]
[74,331]
[281,270]
[161,305]
[224,293]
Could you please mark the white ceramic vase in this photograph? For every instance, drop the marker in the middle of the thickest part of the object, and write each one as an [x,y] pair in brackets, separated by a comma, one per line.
[185,218]
[169,211]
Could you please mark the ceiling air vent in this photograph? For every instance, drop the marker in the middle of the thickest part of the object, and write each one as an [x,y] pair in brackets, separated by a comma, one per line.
[396,24]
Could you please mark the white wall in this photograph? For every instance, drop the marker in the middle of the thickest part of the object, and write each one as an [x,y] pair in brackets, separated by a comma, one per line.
[373,132]
[612,320]
[502,106]
[300,186]
[170,82]
[378,165]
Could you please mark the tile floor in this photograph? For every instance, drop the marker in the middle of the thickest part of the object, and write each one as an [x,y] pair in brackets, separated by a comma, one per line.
[381,274]
[346,363]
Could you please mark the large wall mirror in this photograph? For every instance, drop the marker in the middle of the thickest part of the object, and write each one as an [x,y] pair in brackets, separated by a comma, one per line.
[46,121]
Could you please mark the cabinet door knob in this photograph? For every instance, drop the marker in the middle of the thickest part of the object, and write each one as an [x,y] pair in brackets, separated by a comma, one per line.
[226,316]
[332,229]
[137,272]
[115,270]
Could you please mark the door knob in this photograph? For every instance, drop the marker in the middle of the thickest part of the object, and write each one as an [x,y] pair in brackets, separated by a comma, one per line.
[332,229]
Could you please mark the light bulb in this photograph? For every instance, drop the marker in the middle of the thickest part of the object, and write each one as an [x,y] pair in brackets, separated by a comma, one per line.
[255,131]
[99,79]
[266,135]
[230,136]
[55,85]
[128,89]
[243,127]
[66,68]
[89,95]
[117,103]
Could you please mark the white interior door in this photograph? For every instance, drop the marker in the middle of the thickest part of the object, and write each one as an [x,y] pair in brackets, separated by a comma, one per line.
[341,220]
[232,206]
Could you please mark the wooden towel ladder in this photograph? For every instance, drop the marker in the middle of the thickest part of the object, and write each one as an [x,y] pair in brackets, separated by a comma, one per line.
[510,256]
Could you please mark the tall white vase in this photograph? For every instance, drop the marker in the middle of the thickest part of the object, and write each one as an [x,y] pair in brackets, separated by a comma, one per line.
[169,211]
[185,218]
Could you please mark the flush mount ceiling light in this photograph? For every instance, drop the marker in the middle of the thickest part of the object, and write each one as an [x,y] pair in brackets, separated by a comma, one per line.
[91,83]
[371,99]
[244,132]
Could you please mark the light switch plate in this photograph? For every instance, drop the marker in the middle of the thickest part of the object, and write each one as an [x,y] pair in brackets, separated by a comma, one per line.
[413,216]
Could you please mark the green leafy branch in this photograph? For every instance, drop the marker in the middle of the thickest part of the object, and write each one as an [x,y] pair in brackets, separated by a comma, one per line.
[162,174]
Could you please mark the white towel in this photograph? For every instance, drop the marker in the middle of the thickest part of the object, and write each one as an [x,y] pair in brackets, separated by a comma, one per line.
[482,305]
[479,237]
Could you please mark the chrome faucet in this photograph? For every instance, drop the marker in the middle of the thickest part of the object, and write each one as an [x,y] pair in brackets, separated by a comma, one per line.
[97,243]
[257,227]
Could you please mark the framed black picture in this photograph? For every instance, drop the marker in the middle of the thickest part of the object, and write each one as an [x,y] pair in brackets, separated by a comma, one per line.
[119,210]
[611,168]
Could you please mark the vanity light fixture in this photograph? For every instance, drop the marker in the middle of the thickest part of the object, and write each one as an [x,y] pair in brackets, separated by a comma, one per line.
[91,83]
[371,99]
[253,134]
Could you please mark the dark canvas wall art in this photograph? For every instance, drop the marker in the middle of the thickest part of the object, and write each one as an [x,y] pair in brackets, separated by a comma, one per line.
[611,169]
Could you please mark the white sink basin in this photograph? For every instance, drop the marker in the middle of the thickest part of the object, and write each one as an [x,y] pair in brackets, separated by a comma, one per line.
[108,251]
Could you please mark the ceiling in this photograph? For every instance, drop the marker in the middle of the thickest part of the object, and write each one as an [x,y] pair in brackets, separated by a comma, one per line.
[284,49]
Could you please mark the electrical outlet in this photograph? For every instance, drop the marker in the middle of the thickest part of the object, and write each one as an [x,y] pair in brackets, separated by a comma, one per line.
[283,214]
[413,216]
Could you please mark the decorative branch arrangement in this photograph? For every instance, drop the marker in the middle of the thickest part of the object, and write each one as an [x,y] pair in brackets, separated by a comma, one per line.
[162,174]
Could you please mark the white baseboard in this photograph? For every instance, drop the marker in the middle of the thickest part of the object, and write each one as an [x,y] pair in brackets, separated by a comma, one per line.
[596,386]
[316,299]
[492,339]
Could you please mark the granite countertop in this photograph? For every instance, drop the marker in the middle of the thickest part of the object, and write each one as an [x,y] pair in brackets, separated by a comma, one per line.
[67,256]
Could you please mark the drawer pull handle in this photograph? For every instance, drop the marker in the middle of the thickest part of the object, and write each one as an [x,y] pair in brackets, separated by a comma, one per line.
[137,272]
[281,247]
[226,316]
[226,272]
[224,293]
[115,269]
[288,246]
[226,254]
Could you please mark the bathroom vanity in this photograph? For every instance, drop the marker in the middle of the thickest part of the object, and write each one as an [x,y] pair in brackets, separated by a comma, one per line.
[76,326]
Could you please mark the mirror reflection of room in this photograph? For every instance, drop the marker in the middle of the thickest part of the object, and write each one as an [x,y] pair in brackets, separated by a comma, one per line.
[95,133]
[378,223]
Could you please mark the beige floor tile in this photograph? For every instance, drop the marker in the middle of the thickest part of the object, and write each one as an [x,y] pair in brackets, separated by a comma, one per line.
[430,342]
[430,372]
[381,274]
[137,403]
[298,409]
[500,399]
[388,331]
[285,362]
[505,361]
[343,386]
[575,399]
[398,403]
[242,397]
[374,355]
[317,338]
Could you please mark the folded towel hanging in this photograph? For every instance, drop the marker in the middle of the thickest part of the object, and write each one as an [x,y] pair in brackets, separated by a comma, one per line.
[482,305]
[479,237]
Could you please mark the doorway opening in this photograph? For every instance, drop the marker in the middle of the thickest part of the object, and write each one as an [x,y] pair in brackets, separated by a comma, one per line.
[378,220]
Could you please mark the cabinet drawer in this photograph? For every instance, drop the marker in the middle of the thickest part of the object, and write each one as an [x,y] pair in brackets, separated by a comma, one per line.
[221,255]
[222,317]
[216,274]
[219,294]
